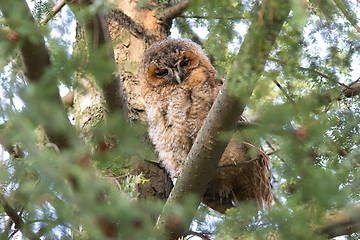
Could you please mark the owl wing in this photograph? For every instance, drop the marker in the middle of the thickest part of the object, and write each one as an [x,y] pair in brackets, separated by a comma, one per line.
[242,174]
[249,181]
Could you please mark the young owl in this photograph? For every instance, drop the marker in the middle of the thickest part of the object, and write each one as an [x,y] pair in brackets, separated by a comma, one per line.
[179,86]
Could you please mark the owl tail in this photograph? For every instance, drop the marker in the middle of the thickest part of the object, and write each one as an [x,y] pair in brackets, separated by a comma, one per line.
[217,204]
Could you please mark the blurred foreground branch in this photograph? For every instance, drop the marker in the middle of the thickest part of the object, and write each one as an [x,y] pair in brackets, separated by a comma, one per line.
[341,222]
[19,223]
[46,90]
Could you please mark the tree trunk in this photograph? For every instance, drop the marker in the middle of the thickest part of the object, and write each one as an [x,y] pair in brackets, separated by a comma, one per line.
[133,29]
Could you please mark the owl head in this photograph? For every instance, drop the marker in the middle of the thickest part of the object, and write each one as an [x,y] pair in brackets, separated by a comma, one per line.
[171,61]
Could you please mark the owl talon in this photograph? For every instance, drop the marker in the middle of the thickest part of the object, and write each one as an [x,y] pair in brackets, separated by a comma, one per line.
[224,194]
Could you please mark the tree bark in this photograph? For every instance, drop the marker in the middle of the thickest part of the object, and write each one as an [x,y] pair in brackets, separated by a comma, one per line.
[132,28]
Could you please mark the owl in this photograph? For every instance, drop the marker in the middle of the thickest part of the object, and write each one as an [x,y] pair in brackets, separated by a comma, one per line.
[179,86]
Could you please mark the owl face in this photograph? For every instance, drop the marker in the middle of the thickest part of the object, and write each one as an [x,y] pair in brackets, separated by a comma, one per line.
[171,62]
[174,72]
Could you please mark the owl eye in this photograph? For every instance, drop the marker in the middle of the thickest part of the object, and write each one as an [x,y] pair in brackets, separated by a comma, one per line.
[161,72]
[185,63]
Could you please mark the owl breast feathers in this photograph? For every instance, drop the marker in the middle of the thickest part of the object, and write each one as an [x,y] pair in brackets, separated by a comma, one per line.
[179,86]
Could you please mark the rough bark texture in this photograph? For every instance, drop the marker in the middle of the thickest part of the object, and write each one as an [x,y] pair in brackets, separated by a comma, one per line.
[129,45]
[132,29]
[205,153]
[88,107]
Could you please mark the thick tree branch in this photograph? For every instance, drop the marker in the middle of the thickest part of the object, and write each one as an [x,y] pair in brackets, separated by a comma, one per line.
[36,61]
[99,43]
[174,11]
[134,27]
[204,155]
[19,223]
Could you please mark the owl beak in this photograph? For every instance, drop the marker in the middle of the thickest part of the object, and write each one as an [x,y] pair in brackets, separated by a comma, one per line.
[175,77]
[178,79]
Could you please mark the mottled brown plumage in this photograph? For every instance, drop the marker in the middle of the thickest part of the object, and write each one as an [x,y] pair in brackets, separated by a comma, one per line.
[179,86]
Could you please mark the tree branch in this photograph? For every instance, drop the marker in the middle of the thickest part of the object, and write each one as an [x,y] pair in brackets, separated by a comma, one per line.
[204,155]
[47,102]
[348,17]
[301,68]
[54,11]
[19,223]
[349,91]
[283,91]
[174,11]
[183,25]
[352,90]
[135,28]
[99,42]
[46,89]
[314,71]
[211,17]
